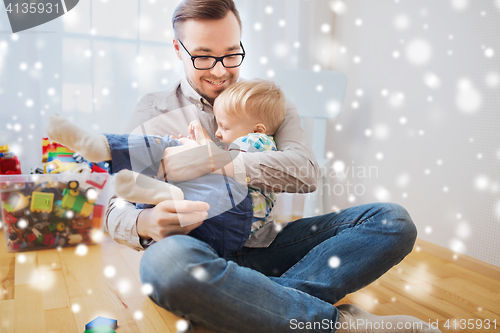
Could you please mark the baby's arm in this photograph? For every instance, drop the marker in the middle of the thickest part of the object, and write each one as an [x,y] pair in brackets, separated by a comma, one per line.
[198,133]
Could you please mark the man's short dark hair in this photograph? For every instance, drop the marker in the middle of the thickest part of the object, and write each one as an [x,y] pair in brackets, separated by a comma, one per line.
[202,10]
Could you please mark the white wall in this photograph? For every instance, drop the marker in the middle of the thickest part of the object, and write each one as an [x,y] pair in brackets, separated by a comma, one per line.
[438,145]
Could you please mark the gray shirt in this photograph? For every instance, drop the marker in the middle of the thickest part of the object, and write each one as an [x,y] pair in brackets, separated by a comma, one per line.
[291,169]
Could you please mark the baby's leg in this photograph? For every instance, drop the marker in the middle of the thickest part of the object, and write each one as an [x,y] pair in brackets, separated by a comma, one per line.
[93,147]
[137,152]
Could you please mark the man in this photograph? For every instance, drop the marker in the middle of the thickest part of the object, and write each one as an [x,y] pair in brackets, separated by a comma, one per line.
[282,280]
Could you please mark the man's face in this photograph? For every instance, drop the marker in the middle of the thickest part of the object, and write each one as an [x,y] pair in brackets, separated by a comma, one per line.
[211,38]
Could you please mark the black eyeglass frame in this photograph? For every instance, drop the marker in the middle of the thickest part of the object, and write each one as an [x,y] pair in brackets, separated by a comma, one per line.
[217,59]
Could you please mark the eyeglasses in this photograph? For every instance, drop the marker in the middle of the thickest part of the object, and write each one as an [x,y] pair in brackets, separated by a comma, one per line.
[208,62]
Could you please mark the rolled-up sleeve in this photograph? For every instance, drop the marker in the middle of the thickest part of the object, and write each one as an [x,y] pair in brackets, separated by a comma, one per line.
[121,222]
[292,169]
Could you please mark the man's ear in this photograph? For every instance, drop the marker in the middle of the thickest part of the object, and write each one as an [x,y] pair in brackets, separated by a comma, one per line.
[260,128]
[177,48]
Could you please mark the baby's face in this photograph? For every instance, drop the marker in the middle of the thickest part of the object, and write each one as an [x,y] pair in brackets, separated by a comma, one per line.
[231,127]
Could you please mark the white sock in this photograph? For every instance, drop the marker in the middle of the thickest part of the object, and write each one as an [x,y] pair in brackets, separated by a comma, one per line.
[135,187]
[93,147]
[353,319]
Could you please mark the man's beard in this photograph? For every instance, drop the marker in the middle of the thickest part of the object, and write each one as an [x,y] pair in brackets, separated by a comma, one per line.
[208,98]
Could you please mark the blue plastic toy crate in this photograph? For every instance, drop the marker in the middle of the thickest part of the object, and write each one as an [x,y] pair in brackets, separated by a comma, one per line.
[50,211]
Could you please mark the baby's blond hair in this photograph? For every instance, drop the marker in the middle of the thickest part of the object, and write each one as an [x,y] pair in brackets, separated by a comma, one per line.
[257,100]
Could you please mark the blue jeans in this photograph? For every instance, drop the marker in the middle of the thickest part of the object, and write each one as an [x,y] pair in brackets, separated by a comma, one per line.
[311,265]
[229,220]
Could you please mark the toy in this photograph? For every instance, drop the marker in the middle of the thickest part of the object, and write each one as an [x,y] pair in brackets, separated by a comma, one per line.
[97,216]
[9,218]
[14,240]
[30,237]
[37,218]
[53,147]
[51,210]
[73,187]
[75,239]
[17,201]
[101,167]
[9,163]
[58,210]
[63,157]
[37,171]
[96,181]
[100,321]
[86,236]
[52,166]
[100,329]
[76,201]
[48,239]
[42,202]
[97,168]
[57,166]
[82,223]
[78,158]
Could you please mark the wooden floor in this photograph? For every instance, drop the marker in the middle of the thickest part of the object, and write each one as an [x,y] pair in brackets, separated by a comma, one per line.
[59,291]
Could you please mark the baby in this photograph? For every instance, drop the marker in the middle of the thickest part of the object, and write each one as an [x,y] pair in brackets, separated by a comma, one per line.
[247,114]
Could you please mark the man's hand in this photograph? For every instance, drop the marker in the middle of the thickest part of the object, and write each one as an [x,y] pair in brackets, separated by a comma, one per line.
[165,218]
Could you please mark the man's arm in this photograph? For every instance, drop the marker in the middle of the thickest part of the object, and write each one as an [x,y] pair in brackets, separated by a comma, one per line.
[291,169]
[135,228]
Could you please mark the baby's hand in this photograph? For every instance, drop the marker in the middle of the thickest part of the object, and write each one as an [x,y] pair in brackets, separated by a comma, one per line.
[198,133]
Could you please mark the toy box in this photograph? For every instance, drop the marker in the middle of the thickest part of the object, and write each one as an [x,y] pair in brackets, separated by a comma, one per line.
[52,210]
